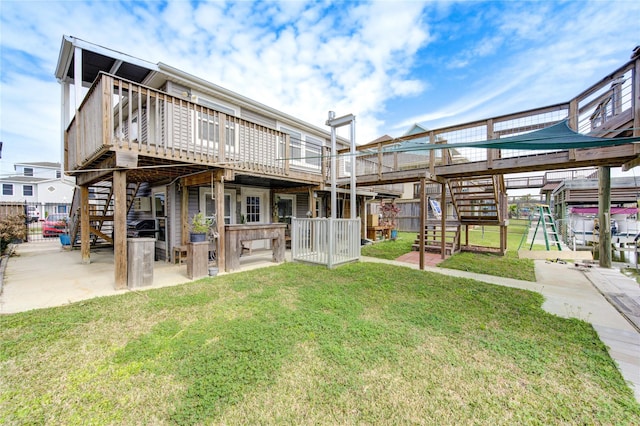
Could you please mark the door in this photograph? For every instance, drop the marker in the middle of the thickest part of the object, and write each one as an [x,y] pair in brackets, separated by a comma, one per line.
[255,209]
[159,210]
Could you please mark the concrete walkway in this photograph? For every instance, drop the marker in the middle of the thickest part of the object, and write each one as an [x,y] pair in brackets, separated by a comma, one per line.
[43,275]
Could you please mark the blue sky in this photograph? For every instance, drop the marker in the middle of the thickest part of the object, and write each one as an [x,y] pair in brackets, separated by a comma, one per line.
[391,63]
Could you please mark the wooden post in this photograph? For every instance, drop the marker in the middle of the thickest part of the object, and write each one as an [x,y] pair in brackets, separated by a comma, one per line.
[466,235]
[443,220]
[379,161]
[120,228]
[219,190]
[422,221]
[432,154]
[85,248]
[573,123]
[197,260]
[635,101]
[312,203]
[184,214]
[604,215]
[490,151]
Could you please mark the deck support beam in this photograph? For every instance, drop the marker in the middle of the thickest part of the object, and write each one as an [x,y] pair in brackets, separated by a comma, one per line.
[120,228]
[423,215]
[604,216]
[85,249]
[219,194]
[443,221]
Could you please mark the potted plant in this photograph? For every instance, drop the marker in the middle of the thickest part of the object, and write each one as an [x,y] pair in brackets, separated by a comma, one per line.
[389,213]
[199,227]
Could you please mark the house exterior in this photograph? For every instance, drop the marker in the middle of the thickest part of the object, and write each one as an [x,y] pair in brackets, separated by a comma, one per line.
[576,207]
[149,141]
[40,186]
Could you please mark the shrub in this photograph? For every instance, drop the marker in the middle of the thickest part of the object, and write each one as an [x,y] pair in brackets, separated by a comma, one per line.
[12,228]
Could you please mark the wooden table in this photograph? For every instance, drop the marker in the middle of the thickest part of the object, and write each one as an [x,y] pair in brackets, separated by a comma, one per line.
[373,231]
[236,234]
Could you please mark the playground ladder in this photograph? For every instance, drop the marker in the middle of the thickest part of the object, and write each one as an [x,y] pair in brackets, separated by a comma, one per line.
[549,229]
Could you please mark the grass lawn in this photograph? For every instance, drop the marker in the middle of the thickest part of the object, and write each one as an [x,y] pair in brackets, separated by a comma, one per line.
[509,266]
[298,344]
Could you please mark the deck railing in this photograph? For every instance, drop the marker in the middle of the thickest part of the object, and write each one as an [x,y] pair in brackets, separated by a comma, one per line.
[323,241]
[117,114]
[604,109]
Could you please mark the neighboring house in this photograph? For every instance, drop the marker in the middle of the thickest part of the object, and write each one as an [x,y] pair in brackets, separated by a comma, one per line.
[40,186]
[576,207]
[172,145]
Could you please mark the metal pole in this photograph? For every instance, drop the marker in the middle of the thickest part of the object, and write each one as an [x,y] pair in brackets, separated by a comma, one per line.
[353,169]
[334,203]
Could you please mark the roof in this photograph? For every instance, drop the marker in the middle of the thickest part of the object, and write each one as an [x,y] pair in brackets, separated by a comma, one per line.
[549,186]
[613,210]
[616,182]
[24,179]
[43,164]
[96,59]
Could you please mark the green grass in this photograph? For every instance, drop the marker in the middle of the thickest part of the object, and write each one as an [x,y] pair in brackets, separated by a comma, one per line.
[361,344]
[508,266]
[390,249]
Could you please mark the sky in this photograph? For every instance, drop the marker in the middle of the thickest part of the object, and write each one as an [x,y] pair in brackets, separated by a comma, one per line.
[390,63]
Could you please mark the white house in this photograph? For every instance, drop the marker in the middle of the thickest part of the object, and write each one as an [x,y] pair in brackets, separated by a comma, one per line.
[40,186]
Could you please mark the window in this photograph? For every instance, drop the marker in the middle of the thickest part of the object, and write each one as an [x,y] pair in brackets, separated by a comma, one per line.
[27,190]
[285,205]
[295,141]
[208,125]
[305,150]
[253,209]
[28,171]
[7,189]
[58,174]
[208,204]
[313,149]
[346,164]
[158,199]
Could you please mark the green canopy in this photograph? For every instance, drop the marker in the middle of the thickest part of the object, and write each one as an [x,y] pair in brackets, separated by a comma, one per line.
[554,137]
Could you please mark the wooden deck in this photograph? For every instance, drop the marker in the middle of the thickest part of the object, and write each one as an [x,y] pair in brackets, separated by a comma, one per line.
[157,137]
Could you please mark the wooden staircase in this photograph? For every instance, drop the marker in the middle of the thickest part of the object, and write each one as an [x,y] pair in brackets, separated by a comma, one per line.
[433,240]
[101,208]
[476,199]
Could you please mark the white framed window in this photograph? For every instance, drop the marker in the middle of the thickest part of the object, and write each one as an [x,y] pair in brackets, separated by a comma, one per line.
[7,189]
[27,190]
[208,204]
[305,150]
[313,152]
[27,171]
[295,142]
[345,161]
[208,134]
[253,209]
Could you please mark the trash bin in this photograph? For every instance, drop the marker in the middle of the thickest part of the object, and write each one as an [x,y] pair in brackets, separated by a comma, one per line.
[140,257]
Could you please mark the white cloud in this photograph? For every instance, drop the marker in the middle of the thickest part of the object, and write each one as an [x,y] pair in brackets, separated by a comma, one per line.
[306,58]
[537,57]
